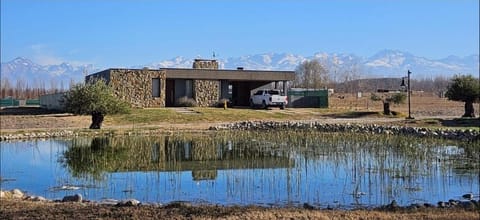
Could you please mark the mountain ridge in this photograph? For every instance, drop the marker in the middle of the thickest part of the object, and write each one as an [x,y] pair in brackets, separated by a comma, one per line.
[385,63]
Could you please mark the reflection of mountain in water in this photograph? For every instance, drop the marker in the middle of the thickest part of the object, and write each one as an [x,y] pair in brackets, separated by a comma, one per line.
[202,156]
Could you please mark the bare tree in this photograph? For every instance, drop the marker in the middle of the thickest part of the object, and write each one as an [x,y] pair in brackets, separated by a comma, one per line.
[348,75]
[6,89]
[311,74]
[440,85]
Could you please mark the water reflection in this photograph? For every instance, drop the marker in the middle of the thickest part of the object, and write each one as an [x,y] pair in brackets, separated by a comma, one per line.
[276,168]
[203,156]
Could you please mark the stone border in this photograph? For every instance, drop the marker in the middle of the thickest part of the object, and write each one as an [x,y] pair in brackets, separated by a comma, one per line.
[452,134]
[32,135]
[457,134]
[467,203]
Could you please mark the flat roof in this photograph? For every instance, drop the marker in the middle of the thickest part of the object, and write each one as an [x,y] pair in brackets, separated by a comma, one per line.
[239,75]
[223,74]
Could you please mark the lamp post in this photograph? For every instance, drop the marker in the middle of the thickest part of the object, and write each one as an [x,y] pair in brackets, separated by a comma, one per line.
[408,93]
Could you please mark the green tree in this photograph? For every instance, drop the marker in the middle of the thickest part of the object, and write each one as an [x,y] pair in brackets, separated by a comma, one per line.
[96,99]
[466,89]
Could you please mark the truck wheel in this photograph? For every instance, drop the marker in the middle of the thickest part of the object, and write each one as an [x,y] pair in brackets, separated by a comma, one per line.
[251,104]
[282,106]
[264,105]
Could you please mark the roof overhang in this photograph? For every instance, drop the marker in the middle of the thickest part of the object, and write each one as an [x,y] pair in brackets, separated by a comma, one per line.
[232,75]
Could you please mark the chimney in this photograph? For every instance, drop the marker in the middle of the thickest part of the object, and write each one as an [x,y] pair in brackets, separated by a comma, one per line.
[205,64]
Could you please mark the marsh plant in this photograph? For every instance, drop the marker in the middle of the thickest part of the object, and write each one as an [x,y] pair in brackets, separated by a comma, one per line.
[246,167]
[399,156]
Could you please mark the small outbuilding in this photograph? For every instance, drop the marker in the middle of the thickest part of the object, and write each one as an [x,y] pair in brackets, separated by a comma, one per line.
[308,98]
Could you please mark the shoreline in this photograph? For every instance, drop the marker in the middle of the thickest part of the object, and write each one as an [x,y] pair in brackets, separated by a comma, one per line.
[255,125]
[15,204]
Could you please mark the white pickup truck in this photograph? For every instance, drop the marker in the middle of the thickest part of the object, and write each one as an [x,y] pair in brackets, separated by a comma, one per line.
[268,97]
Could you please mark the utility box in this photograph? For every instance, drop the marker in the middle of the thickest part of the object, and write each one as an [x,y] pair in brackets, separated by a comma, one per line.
[307,98]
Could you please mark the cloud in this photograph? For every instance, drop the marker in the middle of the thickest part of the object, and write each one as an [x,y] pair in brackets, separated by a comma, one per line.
[43,54]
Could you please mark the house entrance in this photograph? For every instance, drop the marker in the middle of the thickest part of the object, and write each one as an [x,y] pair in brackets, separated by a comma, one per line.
[170,93]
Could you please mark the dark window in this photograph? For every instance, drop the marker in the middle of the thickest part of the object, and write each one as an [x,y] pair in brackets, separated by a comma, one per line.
[274,92]
[188,88]
[259,92]
[156,87]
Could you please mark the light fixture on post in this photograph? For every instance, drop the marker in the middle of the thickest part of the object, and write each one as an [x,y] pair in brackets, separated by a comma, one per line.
[408,93]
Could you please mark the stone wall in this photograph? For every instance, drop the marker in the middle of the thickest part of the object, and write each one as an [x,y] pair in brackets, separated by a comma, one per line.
[206,92]
[135,86]
[205,64]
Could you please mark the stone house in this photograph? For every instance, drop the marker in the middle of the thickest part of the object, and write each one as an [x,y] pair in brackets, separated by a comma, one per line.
[205,83]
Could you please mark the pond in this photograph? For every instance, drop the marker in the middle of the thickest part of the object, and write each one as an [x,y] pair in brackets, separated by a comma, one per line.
[246,168]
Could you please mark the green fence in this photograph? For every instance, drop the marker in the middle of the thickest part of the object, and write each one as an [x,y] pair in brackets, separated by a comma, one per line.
[32,102]
[308,98]
[11,102]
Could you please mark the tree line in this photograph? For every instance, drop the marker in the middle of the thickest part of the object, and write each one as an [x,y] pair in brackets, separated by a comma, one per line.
[313,74]
[21,89]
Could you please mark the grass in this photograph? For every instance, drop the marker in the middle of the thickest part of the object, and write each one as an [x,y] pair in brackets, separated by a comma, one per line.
[211,115]
[356,114]
[168,115]
[457,123]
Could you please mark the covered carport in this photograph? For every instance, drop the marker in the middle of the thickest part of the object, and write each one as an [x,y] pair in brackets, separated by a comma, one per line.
[236,85]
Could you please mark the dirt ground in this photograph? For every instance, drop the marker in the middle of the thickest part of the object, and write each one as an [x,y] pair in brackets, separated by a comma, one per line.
[421,105]
[11,209]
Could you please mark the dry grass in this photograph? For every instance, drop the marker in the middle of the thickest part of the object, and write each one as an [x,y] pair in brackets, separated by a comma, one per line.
[422,104]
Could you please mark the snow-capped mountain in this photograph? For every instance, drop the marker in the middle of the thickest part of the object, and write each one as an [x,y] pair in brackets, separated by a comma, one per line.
[386,63]
[393,62]
[23,69]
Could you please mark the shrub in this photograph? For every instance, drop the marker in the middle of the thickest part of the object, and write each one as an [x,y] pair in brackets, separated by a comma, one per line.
[398,98]
[221,103]
[186,102]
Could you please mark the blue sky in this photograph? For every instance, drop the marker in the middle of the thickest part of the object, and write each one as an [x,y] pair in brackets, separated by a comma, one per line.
[126,32]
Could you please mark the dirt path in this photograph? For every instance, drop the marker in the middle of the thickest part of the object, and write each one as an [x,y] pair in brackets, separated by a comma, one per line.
[10,209]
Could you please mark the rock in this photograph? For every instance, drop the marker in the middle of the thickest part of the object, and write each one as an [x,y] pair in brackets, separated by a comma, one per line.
[129,202]
[109,201]
[453,203]
[394,204]
[36,198]
[428,205]
[74,198]
[5,194]
[17,194]
[39,199]
[441,204]
[468,196]
[308,206]
[416,206]
[467,205]
[178,204]
[476,203]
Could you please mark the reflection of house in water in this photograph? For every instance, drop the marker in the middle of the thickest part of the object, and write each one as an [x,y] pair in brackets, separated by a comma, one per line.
[204,158]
